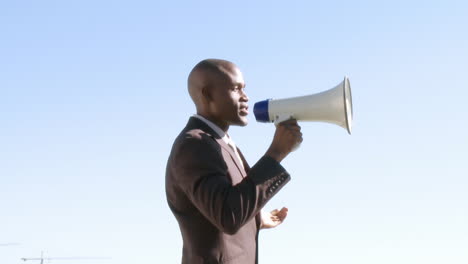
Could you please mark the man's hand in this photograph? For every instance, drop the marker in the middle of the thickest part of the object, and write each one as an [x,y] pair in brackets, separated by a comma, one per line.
[273,218]
[287,136]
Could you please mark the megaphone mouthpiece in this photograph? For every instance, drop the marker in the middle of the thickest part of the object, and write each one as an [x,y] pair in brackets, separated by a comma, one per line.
[261,111]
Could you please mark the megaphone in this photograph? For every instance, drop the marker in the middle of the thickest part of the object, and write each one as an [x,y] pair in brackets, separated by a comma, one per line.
[332,106]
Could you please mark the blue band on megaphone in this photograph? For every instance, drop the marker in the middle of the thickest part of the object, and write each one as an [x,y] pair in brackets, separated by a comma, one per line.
[261,111]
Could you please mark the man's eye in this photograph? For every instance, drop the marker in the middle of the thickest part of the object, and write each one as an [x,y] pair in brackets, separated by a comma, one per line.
[238,88]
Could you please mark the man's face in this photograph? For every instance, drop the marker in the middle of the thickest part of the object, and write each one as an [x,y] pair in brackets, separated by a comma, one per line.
[229,99]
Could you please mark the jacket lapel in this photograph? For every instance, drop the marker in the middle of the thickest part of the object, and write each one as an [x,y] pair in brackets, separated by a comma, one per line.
[244,161]
[233,155]
[197,123]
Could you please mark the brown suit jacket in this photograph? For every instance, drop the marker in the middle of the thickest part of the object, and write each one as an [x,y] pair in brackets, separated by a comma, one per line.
[214,200]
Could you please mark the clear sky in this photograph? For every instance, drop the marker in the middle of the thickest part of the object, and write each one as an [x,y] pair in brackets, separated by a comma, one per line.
[93,93]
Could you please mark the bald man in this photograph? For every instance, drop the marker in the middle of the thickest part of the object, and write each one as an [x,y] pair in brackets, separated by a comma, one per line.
[214,194]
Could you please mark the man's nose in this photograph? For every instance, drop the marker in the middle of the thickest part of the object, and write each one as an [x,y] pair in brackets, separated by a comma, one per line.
[244,96]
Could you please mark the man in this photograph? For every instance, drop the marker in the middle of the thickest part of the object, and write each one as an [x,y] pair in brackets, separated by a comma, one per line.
[211,190]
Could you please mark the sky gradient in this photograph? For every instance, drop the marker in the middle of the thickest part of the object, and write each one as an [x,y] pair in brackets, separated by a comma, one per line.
[93,93]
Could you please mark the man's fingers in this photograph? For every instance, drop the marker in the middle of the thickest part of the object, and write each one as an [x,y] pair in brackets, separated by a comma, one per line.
[289,121]
[283,213]
[294,128]
[290,124]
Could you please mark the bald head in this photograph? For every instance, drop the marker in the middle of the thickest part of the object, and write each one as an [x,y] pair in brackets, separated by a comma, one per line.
[205,76]
[217,89]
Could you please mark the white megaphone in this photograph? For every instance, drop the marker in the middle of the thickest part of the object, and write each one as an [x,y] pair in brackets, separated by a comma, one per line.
[332,106]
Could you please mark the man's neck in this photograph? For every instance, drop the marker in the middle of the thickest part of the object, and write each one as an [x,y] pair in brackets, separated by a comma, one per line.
[222,125]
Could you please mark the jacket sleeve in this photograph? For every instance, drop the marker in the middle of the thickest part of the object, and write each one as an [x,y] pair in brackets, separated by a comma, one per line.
[202,174]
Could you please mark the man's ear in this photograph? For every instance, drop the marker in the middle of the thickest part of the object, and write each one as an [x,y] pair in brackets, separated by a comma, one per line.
[206,93]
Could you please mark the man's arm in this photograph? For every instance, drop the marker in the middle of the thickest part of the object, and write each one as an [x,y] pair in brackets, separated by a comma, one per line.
[202,174]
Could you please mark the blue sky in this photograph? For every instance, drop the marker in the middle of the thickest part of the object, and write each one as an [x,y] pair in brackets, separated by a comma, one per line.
[92,94]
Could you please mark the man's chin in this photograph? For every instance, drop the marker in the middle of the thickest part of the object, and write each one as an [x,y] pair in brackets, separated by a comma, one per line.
[241,122]
[244,121]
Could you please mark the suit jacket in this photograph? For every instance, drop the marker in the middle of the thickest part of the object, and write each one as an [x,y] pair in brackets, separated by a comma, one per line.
[214,200]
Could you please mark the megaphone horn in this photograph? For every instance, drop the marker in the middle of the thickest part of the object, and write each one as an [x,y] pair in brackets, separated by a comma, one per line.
[332,106]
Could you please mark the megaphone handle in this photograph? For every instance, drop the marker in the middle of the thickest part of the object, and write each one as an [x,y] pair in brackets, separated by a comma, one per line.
[281,118]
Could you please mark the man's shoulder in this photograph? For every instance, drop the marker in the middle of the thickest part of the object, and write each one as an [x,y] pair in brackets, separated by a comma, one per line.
[195,130]
[194,146]
[196,134]
[194,138]
[193,135]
